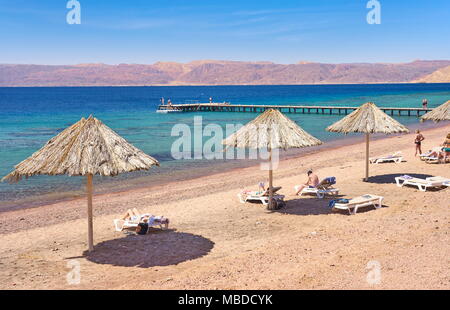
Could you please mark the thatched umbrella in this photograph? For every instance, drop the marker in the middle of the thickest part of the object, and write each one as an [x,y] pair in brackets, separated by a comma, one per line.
[86,148]
[441,113]
[271,130]
[368,119]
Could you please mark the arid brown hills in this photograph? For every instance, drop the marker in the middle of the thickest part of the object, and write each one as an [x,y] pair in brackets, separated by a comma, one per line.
[212,72]
[438,76]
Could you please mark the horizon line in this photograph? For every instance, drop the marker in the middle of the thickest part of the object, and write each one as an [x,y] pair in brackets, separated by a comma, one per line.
[263,62]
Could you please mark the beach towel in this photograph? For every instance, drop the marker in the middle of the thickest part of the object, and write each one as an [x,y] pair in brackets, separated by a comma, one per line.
[331,180]
[407,177]
[333,202]
[157,219]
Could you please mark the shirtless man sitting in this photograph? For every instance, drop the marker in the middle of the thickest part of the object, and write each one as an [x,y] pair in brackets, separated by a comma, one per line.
[313,181]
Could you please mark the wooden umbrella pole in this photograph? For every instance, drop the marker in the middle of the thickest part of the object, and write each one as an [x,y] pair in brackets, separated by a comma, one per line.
[89,190]
[270,179]
[367,157]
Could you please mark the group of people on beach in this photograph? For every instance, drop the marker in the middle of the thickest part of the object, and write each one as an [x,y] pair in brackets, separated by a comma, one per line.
[442,155]
[146,220]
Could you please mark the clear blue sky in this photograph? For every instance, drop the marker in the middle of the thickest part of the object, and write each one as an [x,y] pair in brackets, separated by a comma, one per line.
[146,31]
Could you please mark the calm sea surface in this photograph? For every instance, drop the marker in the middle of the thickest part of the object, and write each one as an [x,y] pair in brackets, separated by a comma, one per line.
[31,116]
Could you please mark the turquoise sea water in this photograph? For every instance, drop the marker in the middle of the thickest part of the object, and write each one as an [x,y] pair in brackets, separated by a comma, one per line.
[31,116]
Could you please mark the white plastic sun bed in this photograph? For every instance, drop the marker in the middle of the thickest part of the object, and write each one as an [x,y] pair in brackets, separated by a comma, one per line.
[442,179]
[422,184]
[121,225]
[431,159]
[435,160]
[396,158]
[263,197]
[426,155]
[359,202]
[324,187]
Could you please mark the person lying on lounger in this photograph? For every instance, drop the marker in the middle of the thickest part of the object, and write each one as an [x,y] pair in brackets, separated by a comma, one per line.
[441,156]
[133,215]
[446,148]
[144,220]
[313,181]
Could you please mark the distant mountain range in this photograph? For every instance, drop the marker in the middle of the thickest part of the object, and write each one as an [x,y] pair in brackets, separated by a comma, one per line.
[213,72]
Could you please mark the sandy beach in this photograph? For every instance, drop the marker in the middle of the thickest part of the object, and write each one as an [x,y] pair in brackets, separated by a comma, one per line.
[215,242]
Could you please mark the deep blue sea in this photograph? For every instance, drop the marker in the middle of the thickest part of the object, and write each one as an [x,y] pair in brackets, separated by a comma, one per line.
[31,116]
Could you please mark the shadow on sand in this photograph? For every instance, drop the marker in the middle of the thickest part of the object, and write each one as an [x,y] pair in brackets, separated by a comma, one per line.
[390,178]
[309,205]
[158,248]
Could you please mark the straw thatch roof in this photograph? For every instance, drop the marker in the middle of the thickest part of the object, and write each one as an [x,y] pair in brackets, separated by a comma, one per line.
[368,118]
[87,147]
[441,113]
[271,130]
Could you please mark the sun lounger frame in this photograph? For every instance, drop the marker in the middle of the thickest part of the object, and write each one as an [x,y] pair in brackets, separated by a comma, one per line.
[376,201]
[431,160]
[422,184]
[320,190]
[426,156]
[396,158]
[263,197]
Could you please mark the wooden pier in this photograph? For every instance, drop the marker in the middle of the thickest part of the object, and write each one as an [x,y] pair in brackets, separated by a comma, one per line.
[300,109]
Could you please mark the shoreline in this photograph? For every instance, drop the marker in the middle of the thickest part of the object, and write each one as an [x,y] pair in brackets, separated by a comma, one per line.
[220,85]
[151,181]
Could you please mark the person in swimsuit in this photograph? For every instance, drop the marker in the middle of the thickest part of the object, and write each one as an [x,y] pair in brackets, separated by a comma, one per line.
[144,220]
[424,103]
[418,142]
[313,181]
[134,215]
[446,148]
[131,215]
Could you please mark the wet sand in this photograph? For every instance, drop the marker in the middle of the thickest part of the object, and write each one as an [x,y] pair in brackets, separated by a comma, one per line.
[217,242]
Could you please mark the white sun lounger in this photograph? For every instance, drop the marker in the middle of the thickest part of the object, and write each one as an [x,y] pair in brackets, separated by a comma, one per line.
[258,196]
[154,221]
[121,225]
[431,159]
[426,155]
[396,158]
[435,160]
[362,201]
[323,188]
[442,179]
[422,184]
